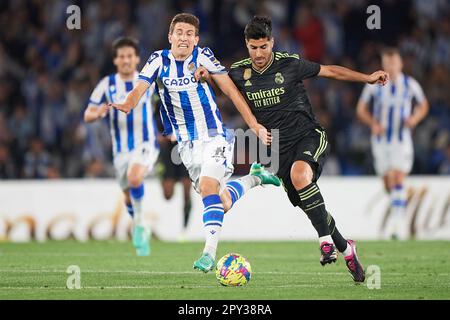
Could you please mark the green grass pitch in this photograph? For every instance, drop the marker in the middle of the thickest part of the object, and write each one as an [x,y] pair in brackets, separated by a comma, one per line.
[281,270]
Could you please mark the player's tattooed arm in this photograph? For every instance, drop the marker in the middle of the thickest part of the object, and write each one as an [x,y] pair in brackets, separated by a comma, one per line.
[132,98]
[201,74]
[227,86]
[343,73]
[93,112]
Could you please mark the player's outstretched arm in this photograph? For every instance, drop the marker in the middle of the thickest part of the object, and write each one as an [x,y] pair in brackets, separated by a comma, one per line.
[345,74]
[227,86]
[132,98]
[94,113]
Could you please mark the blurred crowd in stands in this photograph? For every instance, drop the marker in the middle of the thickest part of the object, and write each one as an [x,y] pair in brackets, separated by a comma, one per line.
[47,72]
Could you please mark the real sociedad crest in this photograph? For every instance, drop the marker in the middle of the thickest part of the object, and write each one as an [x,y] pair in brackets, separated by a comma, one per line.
[191,67]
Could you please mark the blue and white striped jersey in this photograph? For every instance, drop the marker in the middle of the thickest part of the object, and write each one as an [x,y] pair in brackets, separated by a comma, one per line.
[190,106]
[392,104]
[127,130]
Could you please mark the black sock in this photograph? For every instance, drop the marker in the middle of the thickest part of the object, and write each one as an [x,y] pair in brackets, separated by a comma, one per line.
[186,212]
[338,239]
[313,205]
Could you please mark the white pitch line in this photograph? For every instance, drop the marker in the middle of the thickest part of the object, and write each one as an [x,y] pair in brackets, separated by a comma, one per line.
[210,286]
[63,254]
[98,271]
[144,272]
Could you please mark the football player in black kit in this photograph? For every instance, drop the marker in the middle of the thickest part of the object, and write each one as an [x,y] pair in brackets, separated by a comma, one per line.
[271,82]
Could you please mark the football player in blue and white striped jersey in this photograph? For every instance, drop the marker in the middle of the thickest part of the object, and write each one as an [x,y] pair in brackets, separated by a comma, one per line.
[396,110]
[205,146]
[134,135]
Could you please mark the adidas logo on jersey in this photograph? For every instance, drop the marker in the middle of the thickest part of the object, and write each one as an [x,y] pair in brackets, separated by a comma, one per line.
[247,83]
[308,153]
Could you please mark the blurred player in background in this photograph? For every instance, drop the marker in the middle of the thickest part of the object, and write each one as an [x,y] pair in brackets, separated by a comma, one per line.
[171,172]
[134,136]
[272,83]
[204,144]
[397,109]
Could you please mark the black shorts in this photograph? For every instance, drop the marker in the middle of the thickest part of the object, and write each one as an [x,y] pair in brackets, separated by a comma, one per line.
[167,169]
[313,149]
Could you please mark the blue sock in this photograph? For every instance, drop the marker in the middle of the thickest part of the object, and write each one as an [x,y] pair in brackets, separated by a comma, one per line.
[398,207]
[212,222]
[398,196]
[137,195]
[130,209]
[138,192]
[236,190]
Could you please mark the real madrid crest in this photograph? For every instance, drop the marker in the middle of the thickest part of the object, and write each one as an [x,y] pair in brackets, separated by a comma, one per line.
[247,73]
[279,79]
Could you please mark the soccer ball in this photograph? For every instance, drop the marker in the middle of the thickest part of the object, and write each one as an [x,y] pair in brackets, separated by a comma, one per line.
[233,270]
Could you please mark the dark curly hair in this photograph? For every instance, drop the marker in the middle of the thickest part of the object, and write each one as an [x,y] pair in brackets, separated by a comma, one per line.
[258,28]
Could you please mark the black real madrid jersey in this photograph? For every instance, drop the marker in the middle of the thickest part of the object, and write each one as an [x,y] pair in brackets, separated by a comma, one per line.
[277,96]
